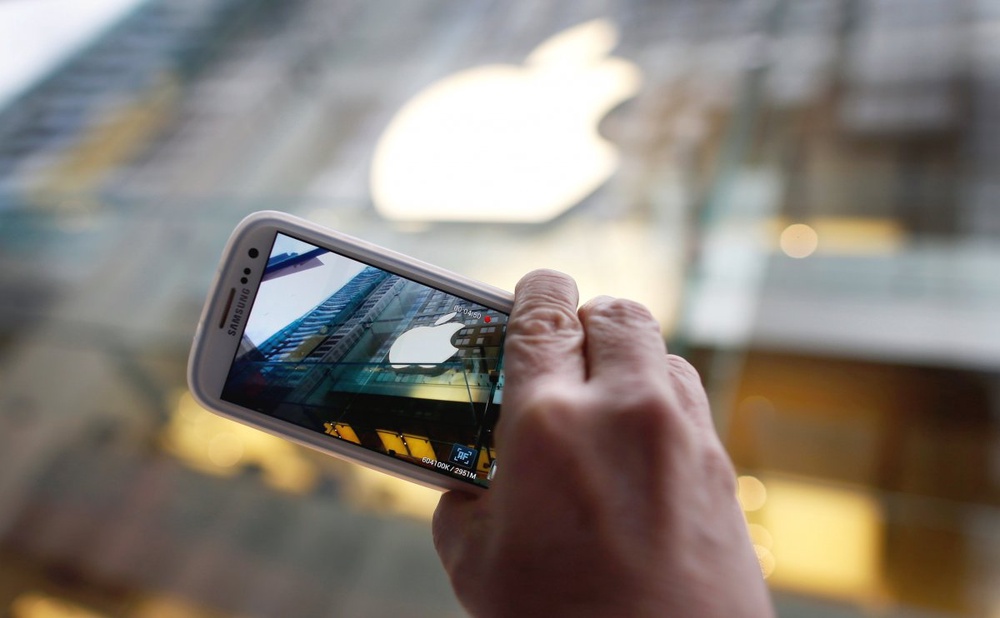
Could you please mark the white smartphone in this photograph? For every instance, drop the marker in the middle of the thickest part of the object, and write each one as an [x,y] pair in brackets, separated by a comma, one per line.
[354,350]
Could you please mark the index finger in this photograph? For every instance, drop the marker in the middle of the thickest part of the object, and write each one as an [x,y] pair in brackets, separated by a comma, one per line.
[544,339]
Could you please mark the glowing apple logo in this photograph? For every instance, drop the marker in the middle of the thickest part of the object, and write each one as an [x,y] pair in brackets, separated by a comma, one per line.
[511,143]
[425,346]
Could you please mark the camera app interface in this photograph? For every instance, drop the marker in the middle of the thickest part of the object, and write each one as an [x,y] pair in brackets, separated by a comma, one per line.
[372,358]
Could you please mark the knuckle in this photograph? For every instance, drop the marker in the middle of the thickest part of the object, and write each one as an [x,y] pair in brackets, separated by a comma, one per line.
[540,428]
[619,310]
[543,319]
[718,469]
[684,370]
[545,279]
[689,396]
[644,411]
[650,399]
[546,409]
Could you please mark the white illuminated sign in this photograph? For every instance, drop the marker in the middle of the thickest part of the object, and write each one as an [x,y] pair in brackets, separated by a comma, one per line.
[507,143]
[426,346]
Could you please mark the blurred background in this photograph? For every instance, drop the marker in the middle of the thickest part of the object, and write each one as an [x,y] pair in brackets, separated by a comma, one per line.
[805,192]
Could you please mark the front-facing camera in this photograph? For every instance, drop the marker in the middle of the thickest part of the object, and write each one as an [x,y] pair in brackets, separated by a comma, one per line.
[253,252]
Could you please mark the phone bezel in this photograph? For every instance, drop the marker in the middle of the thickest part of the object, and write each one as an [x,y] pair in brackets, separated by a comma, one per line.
[214,349]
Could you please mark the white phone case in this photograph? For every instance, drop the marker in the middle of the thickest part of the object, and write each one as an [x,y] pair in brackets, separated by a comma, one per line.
[227,310]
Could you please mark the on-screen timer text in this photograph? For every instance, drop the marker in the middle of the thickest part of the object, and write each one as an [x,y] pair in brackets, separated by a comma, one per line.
[475,315]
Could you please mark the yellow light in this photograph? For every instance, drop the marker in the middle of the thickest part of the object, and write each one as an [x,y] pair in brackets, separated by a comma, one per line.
[760,536]
[419,446]
[381,492]
[38,605]
[225,449]
[507,142]
[220,446]
[766,560]
[799,241]
[486,458]
[861,236]
[756,405]
[751,493]
[113,135]
[841,236]
[392,441]
[342,431]
[406,444]
[826,540]
[168,607]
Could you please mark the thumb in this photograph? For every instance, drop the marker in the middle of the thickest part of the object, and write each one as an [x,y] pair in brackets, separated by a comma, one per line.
[459,527]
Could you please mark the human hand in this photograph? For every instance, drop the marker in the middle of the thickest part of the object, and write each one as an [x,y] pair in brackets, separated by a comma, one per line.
[613,495]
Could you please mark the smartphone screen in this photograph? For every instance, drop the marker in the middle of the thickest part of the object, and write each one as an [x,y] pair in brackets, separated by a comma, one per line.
[369,357]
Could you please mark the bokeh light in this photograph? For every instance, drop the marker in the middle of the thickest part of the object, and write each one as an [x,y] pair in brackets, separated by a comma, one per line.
[751,493]
[799,240]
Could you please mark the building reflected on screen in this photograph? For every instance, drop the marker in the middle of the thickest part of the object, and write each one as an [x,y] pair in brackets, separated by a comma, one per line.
[383,362]
[806,193]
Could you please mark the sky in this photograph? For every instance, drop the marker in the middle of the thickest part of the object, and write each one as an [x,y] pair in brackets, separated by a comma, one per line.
[285,299]
[37,35]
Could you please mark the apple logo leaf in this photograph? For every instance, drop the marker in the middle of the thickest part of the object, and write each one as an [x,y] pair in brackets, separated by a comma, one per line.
[441,320]
[507,143]
[587,43]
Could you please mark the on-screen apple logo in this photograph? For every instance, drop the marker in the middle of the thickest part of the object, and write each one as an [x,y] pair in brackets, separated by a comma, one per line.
[509,143]
[425,346]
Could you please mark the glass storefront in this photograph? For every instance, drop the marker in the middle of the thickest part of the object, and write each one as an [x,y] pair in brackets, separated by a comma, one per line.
[803,191]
